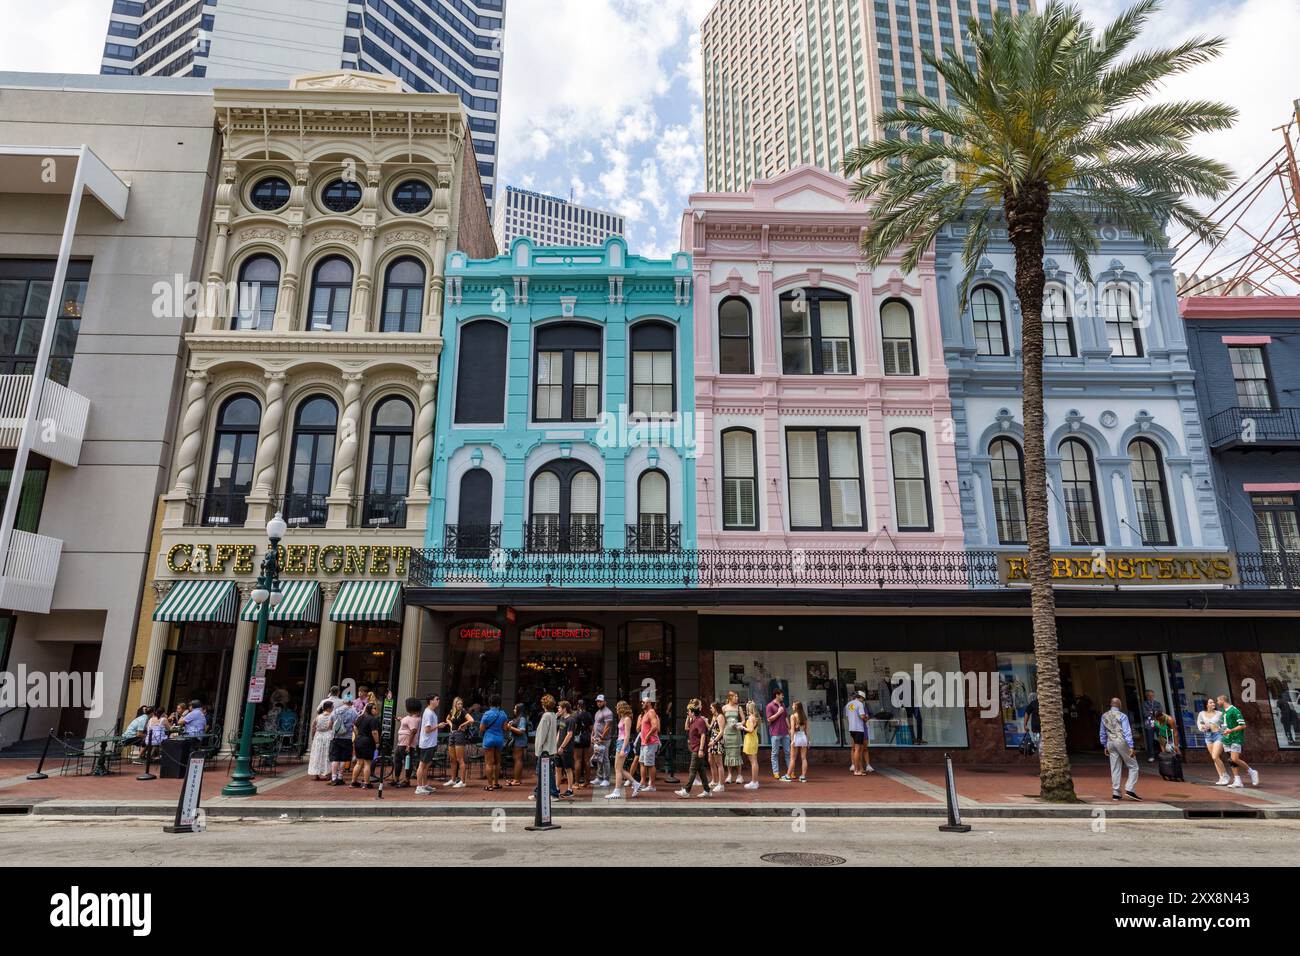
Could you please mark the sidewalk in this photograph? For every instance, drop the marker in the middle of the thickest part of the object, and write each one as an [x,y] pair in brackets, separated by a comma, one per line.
[984,791]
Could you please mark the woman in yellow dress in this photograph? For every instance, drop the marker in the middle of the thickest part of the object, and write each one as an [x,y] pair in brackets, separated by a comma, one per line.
[750,747]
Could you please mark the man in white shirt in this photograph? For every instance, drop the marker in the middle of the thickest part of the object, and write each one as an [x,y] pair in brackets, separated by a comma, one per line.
[428,742]
[855,715]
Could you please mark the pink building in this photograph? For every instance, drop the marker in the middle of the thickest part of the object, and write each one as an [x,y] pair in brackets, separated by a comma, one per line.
[823,415]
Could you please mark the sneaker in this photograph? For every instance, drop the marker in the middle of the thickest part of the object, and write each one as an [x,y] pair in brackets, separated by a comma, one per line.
[602,784]
[449,784]
[459,785]
[803,779]
[717,785]
[649,789]
[423,791]
[870,769]
[1115,796]
[1254,777]
[776,776]
[1223,781]
[1236,784]
[718,788]
[786,778]
[1132,795]
[614,794]
[703,793]
[752,785]
[684,792]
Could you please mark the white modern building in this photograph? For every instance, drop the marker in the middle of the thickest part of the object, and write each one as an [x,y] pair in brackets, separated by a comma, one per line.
[433,46]
[791,82]
[551,221]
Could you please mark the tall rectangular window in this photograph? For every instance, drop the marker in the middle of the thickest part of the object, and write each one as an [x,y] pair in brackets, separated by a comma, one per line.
[825,483]
[24,297]
[739,480]
[1250,374]
[816,333]
[911,480]
[653,387]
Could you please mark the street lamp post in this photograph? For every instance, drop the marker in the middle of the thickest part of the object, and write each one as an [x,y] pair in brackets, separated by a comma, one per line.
[266,595]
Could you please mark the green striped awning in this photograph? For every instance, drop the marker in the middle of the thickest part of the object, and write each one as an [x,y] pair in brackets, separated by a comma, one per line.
[199,602]
[373,601]
[300,604]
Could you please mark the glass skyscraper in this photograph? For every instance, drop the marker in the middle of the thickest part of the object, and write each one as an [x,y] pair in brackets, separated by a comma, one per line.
[434,46]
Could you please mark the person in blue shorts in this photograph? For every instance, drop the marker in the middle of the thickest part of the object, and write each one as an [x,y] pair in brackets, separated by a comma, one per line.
[492,730]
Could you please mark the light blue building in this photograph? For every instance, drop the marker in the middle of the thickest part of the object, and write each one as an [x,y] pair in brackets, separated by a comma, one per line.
[564,436]
[1128,465]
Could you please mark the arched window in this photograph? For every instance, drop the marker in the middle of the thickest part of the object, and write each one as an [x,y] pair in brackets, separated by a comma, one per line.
[739,480]
[816,333]
[911,480]
[259,286]
[653,384]
[898,336]
[481,373]
[651,532]
[388,464]
[331,295]
[312,465]
[1058,327]
[564,508]
[990,321]
[234,448]
[735,341]
[1122,332]
[566,380]
[1079,491]
[474,534]
[1150,494]
[1007,472]
[403,296]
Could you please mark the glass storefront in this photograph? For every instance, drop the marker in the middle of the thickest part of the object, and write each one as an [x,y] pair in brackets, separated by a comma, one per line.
[564,659]
[1282,676]
[285,703]
[199,668]
[823,681]
[370,657]
[646,665]
[472,670]
[1194,679]
[1017,680]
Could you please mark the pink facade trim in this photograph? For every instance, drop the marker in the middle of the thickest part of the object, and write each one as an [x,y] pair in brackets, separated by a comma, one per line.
[798,230]
[1246,339]
[1239,307]
[1268,488]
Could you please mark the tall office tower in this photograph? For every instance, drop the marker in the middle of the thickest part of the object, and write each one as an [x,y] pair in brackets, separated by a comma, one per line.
[551,221]
[433,46]
[789,82]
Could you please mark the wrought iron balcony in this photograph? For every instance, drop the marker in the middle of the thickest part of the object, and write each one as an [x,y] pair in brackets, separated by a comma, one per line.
[547,537]
[302,511]
[1242,427]
[472,540]
[219,510]
[654,537]
[1268,569]
[380,511]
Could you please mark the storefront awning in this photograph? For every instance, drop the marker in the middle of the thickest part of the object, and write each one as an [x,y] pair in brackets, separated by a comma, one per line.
[199,602]
[372,601]
[300,604]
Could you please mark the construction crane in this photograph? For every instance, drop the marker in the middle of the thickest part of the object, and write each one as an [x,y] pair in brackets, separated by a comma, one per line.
[1258,251]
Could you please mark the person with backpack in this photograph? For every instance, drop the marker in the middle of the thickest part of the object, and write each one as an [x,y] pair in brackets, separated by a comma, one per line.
[1234,738]
[345,719]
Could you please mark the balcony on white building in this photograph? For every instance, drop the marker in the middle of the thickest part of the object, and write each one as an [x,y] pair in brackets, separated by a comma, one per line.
[60,422]
[30,572]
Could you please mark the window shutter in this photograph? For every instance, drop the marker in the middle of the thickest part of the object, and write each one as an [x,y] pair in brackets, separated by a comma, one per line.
[654,494]
[738,454]
[546,494]
[801,446]
[834,318]
[582,494]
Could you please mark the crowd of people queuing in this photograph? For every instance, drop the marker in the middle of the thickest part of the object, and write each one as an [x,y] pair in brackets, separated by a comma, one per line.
[602,747]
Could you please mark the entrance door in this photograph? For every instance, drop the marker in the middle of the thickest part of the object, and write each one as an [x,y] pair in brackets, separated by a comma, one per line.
[646,663]
[84,659]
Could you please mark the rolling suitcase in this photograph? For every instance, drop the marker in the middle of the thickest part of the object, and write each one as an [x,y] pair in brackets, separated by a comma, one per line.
[1170,765]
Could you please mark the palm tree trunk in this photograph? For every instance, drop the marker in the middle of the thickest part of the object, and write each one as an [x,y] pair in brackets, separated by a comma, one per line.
[1026,220]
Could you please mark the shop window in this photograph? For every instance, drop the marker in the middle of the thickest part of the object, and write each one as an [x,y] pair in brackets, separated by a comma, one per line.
[312,466]
[898,336]
[234,448]
[199,669]
[990,321]
[739,480]
[481,373]
[1194,679]
[653,388]
[816,333]
[370,657]
[1150,493]
[403,296]
[472,670]
[735,337]
[565,659]
[566,376]
[1007,476]
[911,480]
[259,288]
[1079,490]
[646,661]
[1017,683]
[331,295]
[1282,676]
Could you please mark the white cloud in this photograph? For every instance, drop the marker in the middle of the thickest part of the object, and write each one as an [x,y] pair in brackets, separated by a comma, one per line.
[55,36]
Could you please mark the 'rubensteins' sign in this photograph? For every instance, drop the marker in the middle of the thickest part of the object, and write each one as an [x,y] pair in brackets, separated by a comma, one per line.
[1107,569]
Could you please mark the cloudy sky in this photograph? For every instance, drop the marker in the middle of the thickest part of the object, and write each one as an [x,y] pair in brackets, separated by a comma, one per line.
[602,97]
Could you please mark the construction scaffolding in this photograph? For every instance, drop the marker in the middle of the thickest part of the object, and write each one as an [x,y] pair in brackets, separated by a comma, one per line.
[1258,251]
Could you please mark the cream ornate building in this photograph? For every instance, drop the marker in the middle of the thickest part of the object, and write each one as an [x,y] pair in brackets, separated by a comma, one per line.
[310,388]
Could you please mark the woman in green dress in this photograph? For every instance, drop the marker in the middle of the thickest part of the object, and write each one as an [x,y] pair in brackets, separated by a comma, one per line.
[733,738]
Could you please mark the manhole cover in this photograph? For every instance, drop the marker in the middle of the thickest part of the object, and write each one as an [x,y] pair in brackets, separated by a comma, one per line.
[802,859]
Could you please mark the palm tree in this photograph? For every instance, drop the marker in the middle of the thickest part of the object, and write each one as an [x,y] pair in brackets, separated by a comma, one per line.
[1050,129]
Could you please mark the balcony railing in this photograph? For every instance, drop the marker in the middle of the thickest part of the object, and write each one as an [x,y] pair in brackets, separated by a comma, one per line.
[219,510]
[61,423]
[654,537]
[380,511]
[952,570]
[1246,427]
[546,537]
[27,582]
[472,540]
[302,511]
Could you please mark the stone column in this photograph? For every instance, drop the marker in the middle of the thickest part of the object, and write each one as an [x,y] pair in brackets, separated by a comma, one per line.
[266,464]
[359,319]
[417,503]
[769,321]
[433,301]
[345,459]
[412,625]
[245,634]
[326,646]
[214,301]
[286,304]
[189,448]
[158,636]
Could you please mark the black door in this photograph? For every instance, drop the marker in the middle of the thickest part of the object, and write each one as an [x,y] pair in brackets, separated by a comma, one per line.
[474,528]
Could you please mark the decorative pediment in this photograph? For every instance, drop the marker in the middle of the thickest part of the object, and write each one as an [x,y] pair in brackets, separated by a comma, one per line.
[346,80]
